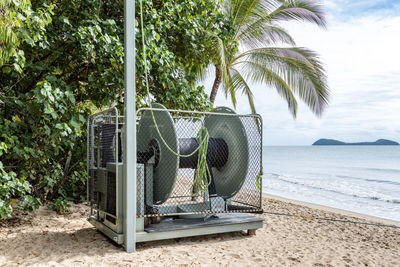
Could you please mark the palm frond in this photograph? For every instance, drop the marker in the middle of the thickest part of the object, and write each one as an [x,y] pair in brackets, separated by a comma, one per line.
[238,10]
[261,33]
[300,68]
[300,10]
[238,83]
[219,55]
[203,73]
[248,7]
[224,63]
[258,73]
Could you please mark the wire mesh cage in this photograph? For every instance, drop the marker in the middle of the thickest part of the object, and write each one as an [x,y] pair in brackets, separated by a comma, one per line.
[168,178]
[104,147]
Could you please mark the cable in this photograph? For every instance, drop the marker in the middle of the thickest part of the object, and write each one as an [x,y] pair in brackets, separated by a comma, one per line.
[329,219]
[203,175]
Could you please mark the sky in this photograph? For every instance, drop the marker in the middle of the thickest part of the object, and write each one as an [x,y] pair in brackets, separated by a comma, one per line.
[360,51]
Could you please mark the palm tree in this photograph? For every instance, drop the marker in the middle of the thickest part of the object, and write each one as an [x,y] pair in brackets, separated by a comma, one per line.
[290,70]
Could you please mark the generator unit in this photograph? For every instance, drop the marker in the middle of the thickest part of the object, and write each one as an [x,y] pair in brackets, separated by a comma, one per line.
[172,200]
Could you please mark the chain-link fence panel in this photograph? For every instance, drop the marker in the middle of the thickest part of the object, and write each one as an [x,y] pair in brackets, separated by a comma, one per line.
[233,183]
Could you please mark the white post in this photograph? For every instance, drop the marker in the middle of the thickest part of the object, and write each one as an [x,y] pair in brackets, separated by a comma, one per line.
[129,201]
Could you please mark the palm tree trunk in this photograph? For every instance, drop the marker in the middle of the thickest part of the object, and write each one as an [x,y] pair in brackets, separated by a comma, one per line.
[216,84]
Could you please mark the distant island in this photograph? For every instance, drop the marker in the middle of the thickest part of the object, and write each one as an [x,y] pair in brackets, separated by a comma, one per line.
[332,142]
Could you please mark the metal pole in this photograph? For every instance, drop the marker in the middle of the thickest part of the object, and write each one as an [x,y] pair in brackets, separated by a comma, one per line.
[129,201]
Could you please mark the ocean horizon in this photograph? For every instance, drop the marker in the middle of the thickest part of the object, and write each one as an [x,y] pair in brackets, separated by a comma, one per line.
[363,179]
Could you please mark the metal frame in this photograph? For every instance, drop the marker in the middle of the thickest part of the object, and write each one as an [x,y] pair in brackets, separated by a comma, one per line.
[258,116]
[130,129]
[99,220]
[198,231]
[142,236]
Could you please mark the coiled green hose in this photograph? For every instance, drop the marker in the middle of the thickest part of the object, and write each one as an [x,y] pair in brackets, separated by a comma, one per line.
[203,175]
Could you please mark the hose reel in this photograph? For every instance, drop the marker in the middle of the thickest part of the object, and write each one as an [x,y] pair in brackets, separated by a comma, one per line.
[227,152]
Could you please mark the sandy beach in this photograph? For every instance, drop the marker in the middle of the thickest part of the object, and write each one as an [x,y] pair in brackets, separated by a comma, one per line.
[48,239]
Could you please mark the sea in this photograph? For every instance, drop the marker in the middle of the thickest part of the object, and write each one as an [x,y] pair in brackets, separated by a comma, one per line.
[363,179]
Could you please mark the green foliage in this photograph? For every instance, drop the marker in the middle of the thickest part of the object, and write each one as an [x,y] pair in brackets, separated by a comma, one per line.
[63,60]
[10,187]
[59,205]
[178,50]
[30,203]
[20,24]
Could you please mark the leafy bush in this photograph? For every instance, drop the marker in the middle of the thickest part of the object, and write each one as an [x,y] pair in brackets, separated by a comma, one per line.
[20,24]
[66,61]
[10,187]
[30,203]
[59,205]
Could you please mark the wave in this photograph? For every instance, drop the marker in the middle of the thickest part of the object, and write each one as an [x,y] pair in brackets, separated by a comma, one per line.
[383,198]
[387,170]
[368,180]
[347,177]
[382,181]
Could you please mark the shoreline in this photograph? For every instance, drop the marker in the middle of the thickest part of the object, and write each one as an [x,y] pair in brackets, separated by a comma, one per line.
[334,210]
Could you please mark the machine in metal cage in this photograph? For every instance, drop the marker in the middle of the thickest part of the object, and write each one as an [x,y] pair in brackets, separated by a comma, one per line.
[170,203]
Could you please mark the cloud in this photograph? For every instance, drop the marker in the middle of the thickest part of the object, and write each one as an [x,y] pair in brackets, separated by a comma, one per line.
[362,58]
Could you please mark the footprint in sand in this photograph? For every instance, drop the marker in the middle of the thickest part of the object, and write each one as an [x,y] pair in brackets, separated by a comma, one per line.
[236,256]
[294,259]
